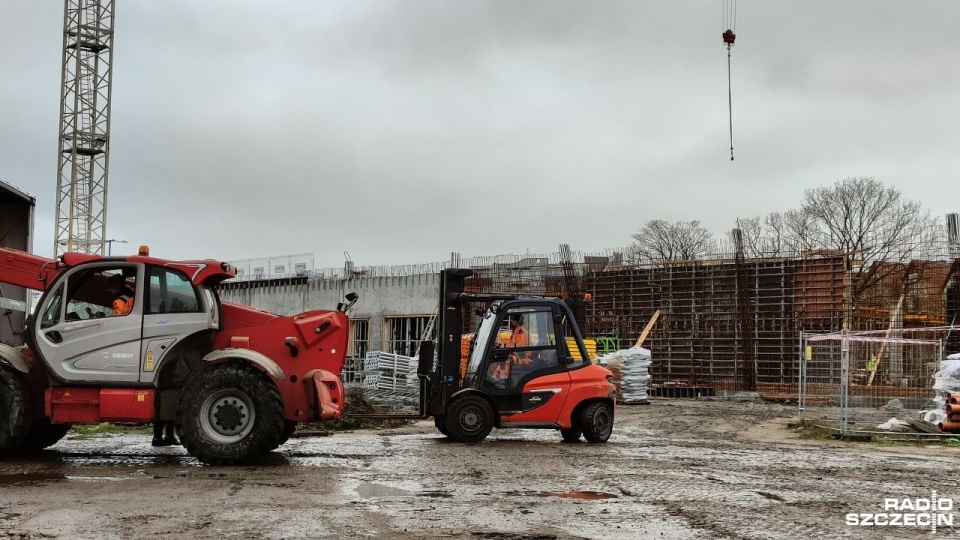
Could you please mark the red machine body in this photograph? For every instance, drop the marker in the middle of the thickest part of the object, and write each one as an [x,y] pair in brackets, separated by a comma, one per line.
[226,373]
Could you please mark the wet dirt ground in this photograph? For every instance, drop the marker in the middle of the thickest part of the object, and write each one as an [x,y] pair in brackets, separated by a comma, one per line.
[673,469]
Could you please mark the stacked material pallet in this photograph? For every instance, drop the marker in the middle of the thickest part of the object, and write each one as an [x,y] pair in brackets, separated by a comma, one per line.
[398,400]
[590,344]
[631,373]
[389,371]
[946,414]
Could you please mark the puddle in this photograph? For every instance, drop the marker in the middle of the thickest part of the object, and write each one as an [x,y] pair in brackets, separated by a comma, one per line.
[30,478]
[585,495]
[437,494]
[368,490]
[98,478]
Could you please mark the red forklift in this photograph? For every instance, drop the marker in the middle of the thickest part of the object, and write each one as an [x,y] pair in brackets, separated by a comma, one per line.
[537,383]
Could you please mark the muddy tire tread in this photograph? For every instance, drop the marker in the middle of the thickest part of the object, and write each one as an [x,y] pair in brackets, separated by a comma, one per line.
[440,422]
[16,405]
[289,428]
[571,435]
[43,434]
[268,424]
[474,404]
[593,432]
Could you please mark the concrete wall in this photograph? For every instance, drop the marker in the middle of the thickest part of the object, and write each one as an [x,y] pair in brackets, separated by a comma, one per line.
[16,231]
[380,297]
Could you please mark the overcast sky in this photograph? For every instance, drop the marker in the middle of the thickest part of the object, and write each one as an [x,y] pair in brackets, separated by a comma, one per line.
[401,131]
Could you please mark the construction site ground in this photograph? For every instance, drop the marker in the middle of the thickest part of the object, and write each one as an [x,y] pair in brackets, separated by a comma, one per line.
[672,469]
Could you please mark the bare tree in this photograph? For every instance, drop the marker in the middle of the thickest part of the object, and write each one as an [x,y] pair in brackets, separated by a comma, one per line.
[779,234]
[662,241]
[751,234]
[794,232]
[861,216]
[873,226]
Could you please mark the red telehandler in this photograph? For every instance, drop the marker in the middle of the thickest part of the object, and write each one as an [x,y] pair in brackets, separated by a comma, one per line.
[235,379]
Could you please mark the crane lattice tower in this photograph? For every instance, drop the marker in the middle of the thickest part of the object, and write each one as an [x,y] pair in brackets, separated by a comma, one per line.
[84,152]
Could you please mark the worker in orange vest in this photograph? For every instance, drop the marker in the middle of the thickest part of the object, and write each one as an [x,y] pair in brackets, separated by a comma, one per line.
[518,338]
[122,294]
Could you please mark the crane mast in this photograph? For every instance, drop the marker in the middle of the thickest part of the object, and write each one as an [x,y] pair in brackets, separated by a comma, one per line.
[84,138]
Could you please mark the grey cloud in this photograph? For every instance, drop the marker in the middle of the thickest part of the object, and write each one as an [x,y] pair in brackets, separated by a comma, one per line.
[400,131]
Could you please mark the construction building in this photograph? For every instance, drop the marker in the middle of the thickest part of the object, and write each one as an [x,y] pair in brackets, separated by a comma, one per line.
[727,322]
[16,231]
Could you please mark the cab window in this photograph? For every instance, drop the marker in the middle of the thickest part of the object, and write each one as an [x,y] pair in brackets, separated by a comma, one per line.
[171,292]
[51,315]
[526,342]
[570,346]
[101,292]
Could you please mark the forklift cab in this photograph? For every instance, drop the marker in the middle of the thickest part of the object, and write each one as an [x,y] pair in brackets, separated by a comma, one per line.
[520,340]
[521,359]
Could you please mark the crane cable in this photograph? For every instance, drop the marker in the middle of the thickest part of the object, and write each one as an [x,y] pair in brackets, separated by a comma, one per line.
[729,36]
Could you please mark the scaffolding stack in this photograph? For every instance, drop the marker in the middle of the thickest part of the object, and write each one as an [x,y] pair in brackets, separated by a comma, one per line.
[390,380]
[390,371]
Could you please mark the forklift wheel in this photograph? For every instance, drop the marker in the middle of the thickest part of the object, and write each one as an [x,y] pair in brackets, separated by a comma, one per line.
[572,434]
[597,422]
[441,425]
[469,419]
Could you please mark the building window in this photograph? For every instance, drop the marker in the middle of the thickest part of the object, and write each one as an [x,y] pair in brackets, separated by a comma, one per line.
[356,351]
[402,335]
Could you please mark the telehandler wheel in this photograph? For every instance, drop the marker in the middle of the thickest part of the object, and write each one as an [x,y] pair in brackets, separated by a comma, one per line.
[572,434]
[43,434]
[230,415]
[289,427]
[441,425]
[597,422]
[469,419]
[16,411]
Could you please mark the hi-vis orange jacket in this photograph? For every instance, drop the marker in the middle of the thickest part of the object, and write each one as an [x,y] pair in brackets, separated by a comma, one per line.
[519,338]
[123,303]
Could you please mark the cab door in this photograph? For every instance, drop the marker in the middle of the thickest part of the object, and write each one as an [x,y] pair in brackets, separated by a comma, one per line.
[525,374]
[173,311]
[79,336]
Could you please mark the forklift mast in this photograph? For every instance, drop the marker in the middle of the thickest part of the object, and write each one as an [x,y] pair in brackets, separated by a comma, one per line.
[438,383]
